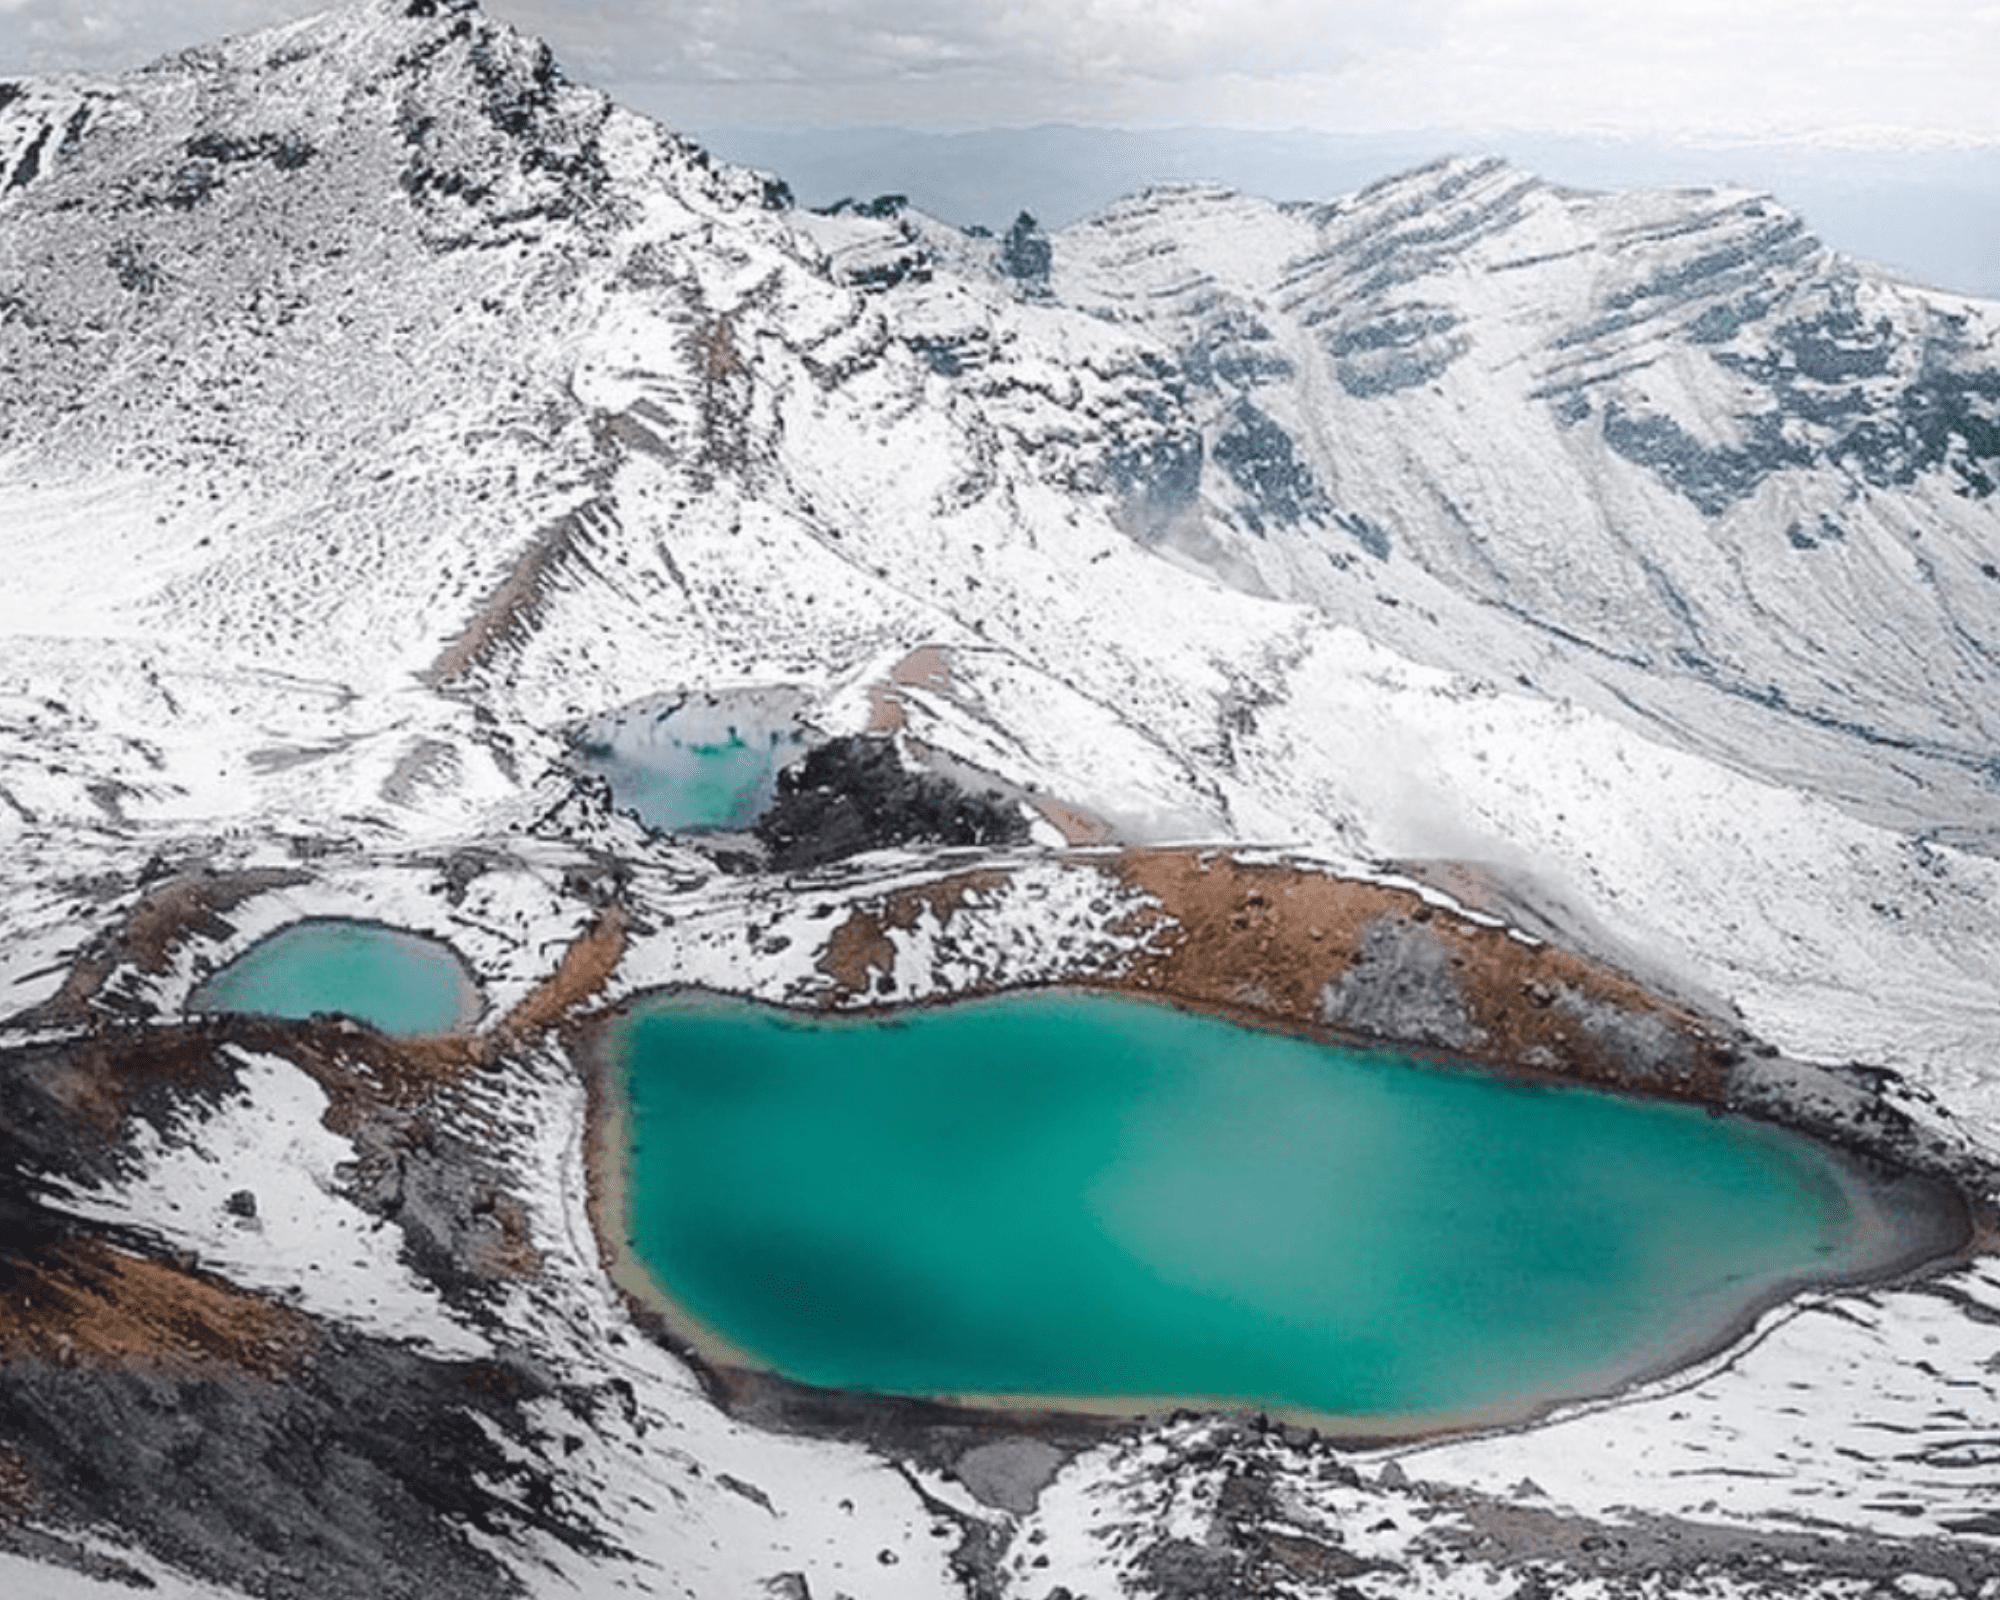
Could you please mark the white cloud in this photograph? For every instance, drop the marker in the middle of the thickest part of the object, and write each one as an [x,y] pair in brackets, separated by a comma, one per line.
[108,35]
[1709,66]
[885,41]
[1713,67]
[1764,66]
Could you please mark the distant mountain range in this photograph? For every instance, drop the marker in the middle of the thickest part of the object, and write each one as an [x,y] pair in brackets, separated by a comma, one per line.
[1932,215]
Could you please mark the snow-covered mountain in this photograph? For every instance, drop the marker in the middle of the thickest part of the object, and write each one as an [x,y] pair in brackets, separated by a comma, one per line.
[379,405]
[1662,450]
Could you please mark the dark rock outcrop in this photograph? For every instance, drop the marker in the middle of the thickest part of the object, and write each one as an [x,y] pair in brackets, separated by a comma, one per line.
[855,794]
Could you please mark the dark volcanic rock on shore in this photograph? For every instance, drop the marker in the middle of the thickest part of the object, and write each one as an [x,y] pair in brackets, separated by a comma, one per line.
[360,1471]
[227,1431]
[855,794]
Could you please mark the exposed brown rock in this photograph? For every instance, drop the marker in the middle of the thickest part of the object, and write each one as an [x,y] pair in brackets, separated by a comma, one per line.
[859,956]
[584,970]
[364,1073]
[146,935]
[236,1441]
[79,1301]
[725,378]
[85,1090]
[1080,829]
[926,667]
[510,611]
[1304,948]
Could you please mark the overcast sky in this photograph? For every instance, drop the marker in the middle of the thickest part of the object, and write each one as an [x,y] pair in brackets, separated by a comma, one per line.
[1865,71]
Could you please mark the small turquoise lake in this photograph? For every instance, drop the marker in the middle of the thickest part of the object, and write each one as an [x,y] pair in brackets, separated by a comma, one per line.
[399,982]
[694,764]
[1063,1195]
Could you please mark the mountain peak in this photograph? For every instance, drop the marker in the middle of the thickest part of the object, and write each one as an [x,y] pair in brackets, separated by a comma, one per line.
[349,33]
[472,121]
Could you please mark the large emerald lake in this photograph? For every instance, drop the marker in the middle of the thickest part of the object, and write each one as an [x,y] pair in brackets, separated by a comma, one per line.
[1065,1195]
[399,982]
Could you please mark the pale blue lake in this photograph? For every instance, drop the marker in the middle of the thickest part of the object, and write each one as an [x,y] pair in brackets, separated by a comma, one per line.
[694,764]
[400,982]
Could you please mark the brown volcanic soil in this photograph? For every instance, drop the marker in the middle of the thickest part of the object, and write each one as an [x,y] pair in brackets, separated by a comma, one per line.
[508,613]
[859,955]
[1080,829]
[101,1074]
[148,932]
[83,1092]
[78,1300]
[237,1439]
[70,1107]
[1296,946]
[926,667]
[585,968]
[1371,961]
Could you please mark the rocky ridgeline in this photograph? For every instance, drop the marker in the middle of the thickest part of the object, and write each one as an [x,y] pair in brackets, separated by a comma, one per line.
[1638,440]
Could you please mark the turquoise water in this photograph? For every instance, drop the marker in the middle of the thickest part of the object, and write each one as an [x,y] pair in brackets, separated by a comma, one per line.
[1068,1195]
[692,767]
[398,982]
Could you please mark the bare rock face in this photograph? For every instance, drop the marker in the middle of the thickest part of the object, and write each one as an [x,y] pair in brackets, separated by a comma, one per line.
[1700,529]
[230,1433]
[850,795]
[357,1473]
[1402,985]
[1648,1047]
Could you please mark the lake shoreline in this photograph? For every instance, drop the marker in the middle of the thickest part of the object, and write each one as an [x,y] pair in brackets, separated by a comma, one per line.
[240,981]
[1931,1224]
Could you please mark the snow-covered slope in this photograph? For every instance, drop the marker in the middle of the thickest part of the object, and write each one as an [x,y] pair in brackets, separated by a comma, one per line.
[1737,490]
[376,405]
